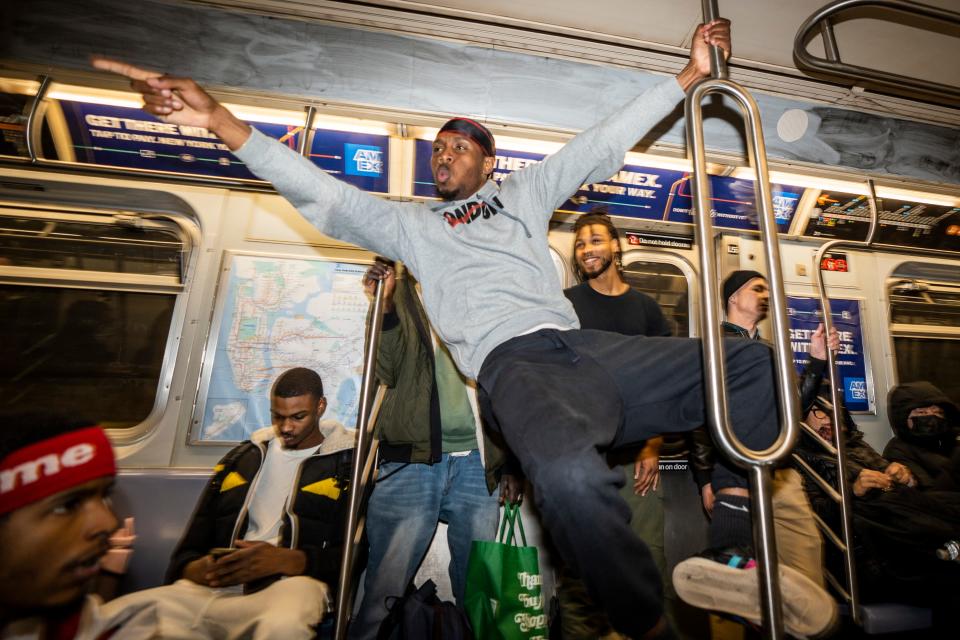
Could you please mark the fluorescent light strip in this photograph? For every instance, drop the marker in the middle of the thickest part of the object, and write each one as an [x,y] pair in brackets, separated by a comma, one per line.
[59,91]
[244,112]
[917,196]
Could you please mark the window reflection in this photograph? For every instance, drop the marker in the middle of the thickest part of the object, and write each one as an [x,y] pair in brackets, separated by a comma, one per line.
[90,354]
[925,312]
[665,283]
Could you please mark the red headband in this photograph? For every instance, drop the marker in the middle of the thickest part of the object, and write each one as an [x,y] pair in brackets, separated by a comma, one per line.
[54,465]
[473,130]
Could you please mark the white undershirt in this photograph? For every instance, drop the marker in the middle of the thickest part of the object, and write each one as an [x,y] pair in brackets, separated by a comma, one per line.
[272,490]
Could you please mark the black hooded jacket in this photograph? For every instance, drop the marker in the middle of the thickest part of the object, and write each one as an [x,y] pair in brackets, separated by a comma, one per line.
[927,459]
[699,441]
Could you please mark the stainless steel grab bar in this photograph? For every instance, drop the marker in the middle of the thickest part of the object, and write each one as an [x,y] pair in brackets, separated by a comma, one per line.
[32,127]
[843,486]
[831,64]
[758,463]
[361,465]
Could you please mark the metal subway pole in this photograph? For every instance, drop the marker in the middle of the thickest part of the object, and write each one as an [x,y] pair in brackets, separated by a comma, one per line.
[846,496]
[309,115]
[360,463]
[32,129]
[759,463]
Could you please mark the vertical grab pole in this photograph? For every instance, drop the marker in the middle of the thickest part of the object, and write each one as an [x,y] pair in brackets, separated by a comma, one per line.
[759,463]
[32,130]
[357,481]
[846,497]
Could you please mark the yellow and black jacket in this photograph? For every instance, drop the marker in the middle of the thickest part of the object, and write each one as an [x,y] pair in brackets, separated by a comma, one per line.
[314,516]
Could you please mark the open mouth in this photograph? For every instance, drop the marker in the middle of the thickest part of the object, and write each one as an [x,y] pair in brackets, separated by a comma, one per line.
[87,566]
[443,174]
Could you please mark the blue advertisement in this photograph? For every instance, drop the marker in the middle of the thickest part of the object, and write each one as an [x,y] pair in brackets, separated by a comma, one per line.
[641,192]
[733,203]
[360,159]
[805,315]
[127,137]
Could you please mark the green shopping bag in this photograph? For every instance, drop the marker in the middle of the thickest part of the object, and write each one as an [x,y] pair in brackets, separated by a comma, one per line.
[503,597]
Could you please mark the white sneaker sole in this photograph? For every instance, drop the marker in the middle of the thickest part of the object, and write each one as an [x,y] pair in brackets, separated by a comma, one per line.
[808,610]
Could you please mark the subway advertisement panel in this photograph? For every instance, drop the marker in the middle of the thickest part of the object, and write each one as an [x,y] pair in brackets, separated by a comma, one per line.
[640,192]
[908,224]
[804,315]
[127,137]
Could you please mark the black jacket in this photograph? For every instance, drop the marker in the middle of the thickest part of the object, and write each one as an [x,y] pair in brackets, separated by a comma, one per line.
[860,456]
[408,423]
[926,459]
[314,518]
[701,444]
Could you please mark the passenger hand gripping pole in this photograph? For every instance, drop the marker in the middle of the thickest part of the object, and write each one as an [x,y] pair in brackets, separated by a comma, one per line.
[846,496]
[759,463]
[362,463]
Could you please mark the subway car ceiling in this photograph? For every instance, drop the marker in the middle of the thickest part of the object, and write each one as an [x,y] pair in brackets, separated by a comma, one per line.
[120,220]
[435,59]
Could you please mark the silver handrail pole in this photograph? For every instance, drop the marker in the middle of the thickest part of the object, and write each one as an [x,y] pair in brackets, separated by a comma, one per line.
[32,127]
[357,483]
[846,495]
[759,463]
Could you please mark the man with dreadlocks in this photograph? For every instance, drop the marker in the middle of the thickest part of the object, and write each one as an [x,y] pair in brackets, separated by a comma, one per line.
[604,300]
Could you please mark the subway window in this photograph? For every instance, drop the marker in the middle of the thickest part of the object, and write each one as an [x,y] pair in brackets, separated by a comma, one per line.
[666,283]
[86,307]
[925,324]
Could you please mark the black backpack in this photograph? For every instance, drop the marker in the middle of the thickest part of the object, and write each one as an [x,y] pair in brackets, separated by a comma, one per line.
[421,615]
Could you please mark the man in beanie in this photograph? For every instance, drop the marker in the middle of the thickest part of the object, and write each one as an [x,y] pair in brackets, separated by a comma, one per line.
[56,477]
[799,545]
[559,396]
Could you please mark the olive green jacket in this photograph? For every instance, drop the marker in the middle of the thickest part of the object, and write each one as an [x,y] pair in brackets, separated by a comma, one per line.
[408,424]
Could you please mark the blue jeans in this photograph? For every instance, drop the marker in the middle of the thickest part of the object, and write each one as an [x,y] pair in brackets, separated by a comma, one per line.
[407,502]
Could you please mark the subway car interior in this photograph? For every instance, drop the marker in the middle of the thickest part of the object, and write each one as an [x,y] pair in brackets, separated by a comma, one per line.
[151,283]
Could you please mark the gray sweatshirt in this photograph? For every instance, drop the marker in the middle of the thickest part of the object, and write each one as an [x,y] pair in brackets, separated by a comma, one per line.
[483,263]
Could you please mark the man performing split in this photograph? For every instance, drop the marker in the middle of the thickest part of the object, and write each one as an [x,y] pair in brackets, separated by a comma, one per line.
[558,395]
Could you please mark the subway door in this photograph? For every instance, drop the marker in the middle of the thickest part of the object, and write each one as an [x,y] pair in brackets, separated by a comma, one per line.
[919,298]
[669,277]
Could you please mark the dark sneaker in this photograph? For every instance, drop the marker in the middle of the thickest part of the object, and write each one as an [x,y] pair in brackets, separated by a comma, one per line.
[726,580]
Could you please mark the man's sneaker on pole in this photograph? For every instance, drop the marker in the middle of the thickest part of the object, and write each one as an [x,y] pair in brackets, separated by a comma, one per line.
[726,580]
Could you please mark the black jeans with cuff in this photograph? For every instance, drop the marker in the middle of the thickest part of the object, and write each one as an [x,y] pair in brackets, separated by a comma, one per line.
[561,399]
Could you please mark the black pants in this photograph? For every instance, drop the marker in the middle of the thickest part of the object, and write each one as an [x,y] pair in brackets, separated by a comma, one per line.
[560,398]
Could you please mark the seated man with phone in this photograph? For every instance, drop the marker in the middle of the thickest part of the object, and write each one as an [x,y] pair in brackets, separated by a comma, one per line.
[261,553]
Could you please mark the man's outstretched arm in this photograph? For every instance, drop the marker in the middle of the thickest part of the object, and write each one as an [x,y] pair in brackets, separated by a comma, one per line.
[598,152]
[335,208]
[180,101]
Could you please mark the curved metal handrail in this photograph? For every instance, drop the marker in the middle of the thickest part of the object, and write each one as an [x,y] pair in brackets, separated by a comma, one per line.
[832,64]
[31,131]
[759,463]
[843,486]
[362,467]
